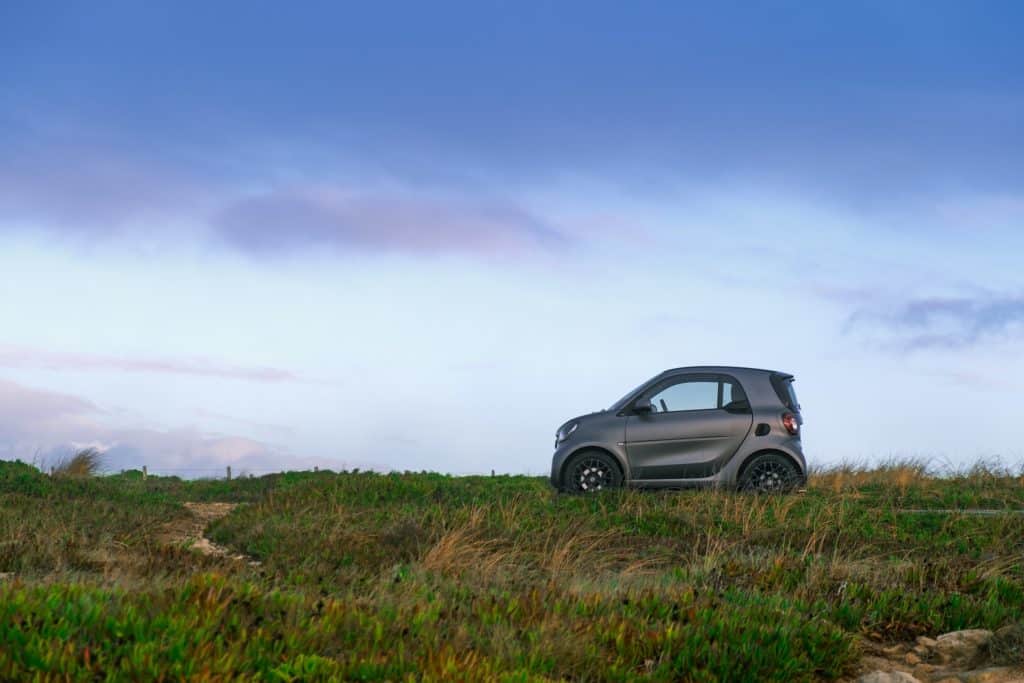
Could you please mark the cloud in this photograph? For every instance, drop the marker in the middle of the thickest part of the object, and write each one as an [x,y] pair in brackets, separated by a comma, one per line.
[101,191]
[26,412]
[11,357]
[981,213]
[43,427]
[95,190]
[36,424]
[186,452]
[943,323]
[284,221]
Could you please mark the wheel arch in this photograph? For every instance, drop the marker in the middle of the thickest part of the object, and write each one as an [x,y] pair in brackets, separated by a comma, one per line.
[623,470]
[770,451]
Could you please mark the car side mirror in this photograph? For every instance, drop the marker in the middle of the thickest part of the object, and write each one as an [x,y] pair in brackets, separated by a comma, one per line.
[643,405]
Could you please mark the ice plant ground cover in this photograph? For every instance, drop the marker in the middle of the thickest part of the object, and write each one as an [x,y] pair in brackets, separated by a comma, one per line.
[364,576]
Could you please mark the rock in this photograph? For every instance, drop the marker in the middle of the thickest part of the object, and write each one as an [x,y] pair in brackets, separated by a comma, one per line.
[887,677]
[874,663]
[926,642]
[962,647]
[912,659]
[993,674]
[4,576]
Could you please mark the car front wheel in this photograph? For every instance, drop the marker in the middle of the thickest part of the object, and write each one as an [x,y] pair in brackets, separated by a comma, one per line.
[590,472]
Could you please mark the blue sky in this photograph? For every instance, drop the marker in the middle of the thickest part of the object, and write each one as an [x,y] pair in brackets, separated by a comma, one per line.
[408,235]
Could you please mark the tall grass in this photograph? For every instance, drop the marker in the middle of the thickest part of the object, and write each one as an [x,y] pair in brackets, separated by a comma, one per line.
[372,577]
[84,463]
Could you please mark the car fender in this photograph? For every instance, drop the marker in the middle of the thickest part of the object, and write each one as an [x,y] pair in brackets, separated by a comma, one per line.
[615,450]
[731,471]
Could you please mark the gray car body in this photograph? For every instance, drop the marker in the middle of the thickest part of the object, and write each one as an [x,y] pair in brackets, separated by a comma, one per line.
[687,448]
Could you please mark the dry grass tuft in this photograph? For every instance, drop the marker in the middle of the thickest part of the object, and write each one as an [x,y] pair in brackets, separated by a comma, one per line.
[899,472]
[1007,645]
[84,463]
[463,548]
[577,551]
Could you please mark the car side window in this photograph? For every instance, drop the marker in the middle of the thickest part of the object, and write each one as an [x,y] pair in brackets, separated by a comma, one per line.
[692,395]
[732,394]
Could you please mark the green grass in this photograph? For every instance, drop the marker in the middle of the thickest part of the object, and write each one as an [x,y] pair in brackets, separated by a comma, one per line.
[427,577]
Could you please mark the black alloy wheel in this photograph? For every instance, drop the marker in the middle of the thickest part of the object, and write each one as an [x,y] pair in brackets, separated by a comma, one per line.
[769,473]
[590,472]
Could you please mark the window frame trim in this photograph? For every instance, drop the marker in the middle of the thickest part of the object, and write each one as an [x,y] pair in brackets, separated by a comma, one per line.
[658,387]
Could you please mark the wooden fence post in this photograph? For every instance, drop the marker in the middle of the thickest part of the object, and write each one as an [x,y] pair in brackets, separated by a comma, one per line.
[145,473]
[229,472]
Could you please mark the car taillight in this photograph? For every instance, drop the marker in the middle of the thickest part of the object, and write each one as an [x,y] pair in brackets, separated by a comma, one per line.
[790,423]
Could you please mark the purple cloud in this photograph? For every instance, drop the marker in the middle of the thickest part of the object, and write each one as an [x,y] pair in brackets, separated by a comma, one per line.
[54,360]
[290,220]
[943,323]
[87,188]
[26,412]
[84,191]
[94,190]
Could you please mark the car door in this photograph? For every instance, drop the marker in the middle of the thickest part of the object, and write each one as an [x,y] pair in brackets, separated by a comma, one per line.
[696,424]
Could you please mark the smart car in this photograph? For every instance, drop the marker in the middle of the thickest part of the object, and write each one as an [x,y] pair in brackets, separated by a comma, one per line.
[693,426]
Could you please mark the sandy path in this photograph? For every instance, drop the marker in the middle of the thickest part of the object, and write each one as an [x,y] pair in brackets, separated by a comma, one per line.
[192,531]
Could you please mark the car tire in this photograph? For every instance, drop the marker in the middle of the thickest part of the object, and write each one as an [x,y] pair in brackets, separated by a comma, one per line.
[590,472]
[769,473]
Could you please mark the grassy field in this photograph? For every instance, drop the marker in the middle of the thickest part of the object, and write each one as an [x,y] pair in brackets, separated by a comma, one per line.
[363,576]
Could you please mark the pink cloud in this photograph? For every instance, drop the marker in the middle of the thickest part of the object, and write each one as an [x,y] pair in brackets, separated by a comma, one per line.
[36,423]
[43,426]
[315,217]
[55,360]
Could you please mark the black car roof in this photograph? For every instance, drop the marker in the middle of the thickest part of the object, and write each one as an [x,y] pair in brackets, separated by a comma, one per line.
[723,368]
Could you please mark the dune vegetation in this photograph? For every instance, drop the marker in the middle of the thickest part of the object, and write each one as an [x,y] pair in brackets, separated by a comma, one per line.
[420,576]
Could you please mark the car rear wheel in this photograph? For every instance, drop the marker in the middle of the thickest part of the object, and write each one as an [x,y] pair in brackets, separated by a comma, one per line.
[590,472]
[769,473]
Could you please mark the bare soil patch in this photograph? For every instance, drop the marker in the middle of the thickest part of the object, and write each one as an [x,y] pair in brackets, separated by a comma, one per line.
[190,531]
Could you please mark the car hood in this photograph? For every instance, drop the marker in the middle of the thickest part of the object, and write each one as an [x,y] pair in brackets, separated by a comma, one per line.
[582,418]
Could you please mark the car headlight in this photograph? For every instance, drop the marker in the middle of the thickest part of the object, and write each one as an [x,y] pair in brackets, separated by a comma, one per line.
[565,432]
